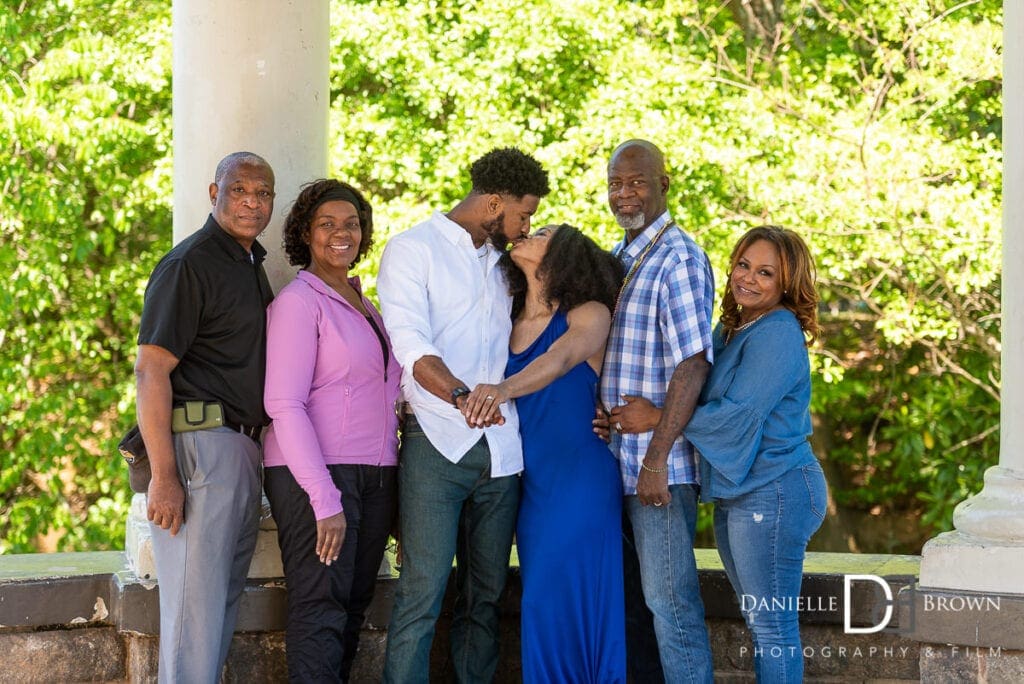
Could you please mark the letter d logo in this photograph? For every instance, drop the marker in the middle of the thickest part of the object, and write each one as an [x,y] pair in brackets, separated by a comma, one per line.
[847,627]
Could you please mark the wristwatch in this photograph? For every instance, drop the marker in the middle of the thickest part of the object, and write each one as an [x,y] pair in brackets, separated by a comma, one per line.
[462,391]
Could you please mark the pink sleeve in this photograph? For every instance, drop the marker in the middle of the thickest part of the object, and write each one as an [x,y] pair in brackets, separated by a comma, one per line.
[292,339]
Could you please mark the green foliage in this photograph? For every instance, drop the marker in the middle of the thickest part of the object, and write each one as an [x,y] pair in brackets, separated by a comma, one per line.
[84,214]
[875,131]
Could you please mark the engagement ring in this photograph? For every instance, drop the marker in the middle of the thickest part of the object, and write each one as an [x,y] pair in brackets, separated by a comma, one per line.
[489,398]
[657,503]
[618,426]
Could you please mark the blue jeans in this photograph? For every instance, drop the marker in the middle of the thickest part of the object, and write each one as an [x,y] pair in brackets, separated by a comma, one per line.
[444,506]
[762,536]
[668,571]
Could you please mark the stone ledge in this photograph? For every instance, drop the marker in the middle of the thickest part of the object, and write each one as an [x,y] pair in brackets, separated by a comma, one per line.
[955,664]
[51,599]
[39,590]
[77,655]
[971,619]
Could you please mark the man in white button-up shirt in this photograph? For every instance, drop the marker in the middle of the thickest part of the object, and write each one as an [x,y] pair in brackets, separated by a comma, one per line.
[447,310]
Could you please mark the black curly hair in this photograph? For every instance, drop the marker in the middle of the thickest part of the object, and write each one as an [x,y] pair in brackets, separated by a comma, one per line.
[574,270]
[311,196]
[509,171]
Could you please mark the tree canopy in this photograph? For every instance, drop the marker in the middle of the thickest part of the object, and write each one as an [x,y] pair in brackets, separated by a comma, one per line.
[872,130]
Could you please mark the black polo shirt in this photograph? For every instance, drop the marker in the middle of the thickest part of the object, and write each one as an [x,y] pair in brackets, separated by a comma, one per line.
[206,304]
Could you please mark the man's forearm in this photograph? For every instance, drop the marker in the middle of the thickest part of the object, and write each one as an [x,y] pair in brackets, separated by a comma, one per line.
[153,410]
[680,400]
[434,376]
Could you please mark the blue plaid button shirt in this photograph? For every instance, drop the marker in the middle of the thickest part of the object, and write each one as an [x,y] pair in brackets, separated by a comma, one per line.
[663,318]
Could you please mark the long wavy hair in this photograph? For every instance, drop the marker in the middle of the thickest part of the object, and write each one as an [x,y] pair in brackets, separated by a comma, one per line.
[299,220]
[796,278]
[574,270]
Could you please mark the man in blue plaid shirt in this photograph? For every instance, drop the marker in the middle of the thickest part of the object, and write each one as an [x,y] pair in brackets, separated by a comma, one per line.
[659,353]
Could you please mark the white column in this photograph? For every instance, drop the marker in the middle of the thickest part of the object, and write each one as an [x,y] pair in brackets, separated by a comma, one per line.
[986,551]
[249,75]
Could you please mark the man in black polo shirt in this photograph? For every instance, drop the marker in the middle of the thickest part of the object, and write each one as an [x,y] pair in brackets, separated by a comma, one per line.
[202,342]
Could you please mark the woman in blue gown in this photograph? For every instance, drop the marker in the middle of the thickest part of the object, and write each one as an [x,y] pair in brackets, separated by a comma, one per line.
[569,529]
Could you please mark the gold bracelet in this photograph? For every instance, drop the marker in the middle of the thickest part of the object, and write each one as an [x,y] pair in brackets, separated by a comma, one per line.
[653,470]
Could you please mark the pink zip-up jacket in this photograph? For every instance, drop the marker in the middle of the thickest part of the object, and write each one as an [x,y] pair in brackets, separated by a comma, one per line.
[327,391]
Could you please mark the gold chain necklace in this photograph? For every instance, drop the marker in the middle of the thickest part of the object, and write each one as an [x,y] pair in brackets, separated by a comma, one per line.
[636,264]
[746,325]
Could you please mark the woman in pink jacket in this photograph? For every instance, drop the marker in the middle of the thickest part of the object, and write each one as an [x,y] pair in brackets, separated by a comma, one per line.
[331,453]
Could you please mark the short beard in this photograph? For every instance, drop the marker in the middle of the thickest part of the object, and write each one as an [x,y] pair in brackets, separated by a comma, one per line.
[633,222]
[495,231]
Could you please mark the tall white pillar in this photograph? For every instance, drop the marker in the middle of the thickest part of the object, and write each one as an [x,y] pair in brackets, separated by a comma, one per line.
[986,551]
[249,75]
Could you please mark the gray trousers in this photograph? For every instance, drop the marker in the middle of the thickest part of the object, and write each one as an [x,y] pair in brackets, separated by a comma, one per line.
[201,571]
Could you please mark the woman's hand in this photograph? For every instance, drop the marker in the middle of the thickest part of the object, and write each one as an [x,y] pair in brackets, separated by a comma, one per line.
[330,535]
[481,407]
[635,416]
[601,425]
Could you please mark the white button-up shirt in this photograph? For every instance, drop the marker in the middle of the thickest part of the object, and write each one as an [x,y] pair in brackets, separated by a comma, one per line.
[440,297]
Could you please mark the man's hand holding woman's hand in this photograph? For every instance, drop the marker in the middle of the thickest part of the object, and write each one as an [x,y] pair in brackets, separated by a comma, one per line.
[480,408]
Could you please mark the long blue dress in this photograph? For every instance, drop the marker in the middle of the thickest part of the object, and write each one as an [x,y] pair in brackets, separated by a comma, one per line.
[569,531]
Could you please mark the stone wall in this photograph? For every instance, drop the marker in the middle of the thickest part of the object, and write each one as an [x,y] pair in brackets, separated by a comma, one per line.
[88,617]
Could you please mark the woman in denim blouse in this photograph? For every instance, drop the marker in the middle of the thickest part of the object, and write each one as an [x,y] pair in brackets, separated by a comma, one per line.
[751,427]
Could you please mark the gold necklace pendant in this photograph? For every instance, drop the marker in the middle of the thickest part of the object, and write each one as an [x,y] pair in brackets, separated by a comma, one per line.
[636,264]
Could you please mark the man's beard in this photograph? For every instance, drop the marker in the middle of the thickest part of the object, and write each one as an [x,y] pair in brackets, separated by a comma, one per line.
[494,229]
[631,221]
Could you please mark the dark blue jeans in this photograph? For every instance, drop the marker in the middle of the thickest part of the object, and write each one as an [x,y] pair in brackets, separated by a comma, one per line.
[444,505]
[762,536]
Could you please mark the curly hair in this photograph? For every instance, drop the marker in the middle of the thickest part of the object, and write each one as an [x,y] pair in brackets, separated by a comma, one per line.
[300,218]
[796,278]
[509,171]
[574,270]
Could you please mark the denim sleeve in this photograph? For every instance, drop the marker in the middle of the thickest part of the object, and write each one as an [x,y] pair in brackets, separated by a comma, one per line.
[743,393]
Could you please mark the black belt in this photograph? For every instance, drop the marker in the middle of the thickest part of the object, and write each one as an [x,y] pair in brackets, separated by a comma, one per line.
[250,431]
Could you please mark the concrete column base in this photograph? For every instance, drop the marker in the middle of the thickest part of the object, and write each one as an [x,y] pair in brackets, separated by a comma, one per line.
[961,561]
[997,512]
[138,544]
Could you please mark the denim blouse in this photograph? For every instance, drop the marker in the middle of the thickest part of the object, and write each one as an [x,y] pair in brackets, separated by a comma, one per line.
[753,417]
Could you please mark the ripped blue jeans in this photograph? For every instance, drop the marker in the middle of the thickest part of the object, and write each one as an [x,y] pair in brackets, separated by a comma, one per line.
[761,537]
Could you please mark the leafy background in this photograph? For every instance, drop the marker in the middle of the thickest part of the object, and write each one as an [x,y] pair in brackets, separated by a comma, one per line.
[872,127]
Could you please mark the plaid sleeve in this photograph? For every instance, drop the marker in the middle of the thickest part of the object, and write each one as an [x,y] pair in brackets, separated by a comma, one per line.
[686,300]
